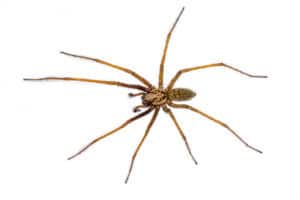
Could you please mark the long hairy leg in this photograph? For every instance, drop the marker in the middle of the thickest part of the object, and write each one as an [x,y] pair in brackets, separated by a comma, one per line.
[141,142]
[116,83]
[111,132]
[162,63]
[169,111]
[216,121]
[126,70]
[182,71]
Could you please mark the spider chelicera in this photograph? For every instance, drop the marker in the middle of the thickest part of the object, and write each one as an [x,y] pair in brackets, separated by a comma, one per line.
[155,98]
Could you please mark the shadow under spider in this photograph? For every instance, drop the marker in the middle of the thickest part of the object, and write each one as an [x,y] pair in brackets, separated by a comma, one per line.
[155,98]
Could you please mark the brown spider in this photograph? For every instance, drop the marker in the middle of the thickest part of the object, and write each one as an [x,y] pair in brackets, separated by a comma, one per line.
[155,98]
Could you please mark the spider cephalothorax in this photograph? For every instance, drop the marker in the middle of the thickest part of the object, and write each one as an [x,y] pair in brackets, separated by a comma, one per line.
[153,99]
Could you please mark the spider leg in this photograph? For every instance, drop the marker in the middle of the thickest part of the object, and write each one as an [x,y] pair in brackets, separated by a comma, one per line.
[141,142]
[216,121]
[162,63]
[116,83]
[111,132]
[182,71]
[126,70]
[167,110]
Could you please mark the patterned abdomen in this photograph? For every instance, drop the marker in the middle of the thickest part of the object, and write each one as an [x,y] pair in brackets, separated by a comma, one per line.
[181,94]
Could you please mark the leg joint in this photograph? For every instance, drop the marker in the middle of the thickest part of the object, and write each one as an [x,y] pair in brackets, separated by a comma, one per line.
[166,109]
[180,72]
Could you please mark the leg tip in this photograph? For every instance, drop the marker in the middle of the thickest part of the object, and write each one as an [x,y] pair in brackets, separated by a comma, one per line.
[126,181]
[259,76]
[71,157]
[65,53]
[259,151]
[29,79]
[195,161]
[254,149]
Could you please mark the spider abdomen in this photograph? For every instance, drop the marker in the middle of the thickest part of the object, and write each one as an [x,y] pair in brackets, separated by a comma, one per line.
[181,94]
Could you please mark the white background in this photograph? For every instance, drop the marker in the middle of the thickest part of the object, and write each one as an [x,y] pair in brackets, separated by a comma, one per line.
[42,123]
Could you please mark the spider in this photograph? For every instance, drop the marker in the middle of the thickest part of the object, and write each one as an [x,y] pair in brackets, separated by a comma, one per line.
[155,98]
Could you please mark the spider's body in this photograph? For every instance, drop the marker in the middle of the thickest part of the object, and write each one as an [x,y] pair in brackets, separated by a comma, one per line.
[155,98]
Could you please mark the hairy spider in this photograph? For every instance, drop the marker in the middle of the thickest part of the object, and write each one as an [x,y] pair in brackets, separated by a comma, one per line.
[155,98]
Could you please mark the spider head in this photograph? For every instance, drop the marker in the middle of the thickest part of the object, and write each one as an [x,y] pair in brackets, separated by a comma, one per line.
[155,97]
[181,94]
